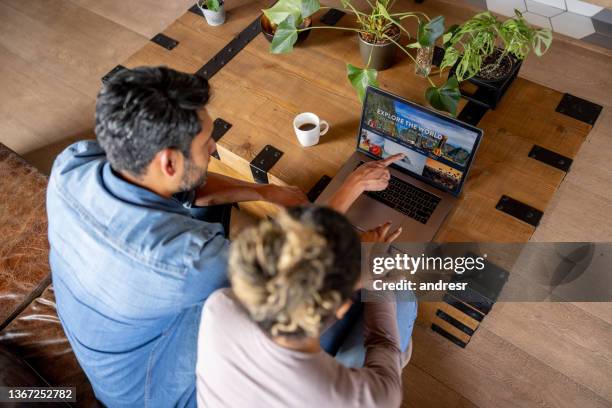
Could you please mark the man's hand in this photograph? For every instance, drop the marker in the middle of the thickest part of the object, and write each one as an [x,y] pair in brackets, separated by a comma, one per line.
[371,176]
[374,175]
[381,234]
[290,196]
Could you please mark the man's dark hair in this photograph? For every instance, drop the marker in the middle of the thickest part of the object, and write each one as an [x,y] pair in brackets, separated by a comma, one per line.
[142,111]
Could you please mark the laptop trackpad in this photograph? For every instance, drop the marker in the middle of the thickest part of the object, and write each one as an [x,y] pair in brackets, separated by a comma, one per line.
[367,213]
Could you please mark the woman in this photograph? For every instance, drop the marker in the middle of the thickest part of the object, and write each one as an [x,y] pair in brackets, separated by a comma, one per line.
[260,342]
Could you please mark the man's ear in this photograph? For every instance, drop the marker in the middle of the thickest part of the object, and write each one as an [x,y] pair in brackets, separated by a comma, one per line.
[343,309]
[168,162]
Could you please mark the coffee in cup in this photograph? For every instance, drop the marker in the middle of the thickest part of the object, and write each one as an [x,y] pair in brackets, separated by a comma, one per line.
[309,128]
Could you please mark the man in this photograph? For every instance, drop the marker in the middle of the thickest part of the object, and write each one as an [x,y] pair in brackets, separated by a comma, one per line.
[132,255]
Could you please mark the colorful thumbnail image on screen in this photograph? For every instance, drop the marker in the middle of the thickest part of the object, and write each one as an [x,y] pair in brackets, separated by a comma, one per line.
[435,149]
[419,128]
[439,173]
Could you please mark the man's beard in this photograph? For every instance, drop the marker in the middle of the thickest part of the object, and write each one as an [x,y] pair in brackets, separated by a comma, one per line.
[194,176]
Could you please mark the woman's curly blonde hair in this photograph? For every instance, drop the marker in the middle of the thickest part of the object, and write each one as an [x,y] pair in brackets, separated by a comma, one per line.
[294,272]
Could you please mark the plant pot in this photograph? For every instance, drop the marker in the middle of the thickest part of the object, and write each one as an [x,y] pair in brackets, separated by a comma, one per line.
[382,55]
[490,91]
[269,29]
[213,18]
[501,73]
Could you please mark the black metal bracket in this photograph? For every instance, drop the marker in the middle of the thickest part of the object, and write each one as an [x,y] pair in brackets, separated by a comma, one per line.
[332,17]
[448,336]
[454,322]
[263,162]
[228,52]
[483,285]
[580,109]
[472,113]
[220,128]
[551,158]
[462,307]
[475,299]
[519,210]
[318,188]
[165,41]
[112,73]
[196,10]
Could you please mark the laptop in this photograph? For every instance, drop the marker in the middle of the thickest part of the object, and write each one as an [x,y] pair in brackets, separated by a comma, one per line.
[426,184]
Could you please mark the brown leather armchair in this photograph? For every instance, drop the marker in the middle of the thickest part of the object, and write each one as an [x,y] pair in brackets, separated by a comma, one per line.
[33,348]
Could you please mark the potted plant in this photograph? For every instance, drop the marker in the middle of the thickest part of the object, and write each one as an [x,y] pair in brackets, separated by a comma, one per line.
[376,29]
[213,11]
[488,49]
[377,50]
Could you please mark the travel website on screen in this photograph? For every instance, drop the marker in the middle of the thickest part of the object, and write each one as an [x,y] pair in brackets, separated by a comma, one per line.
[434,149]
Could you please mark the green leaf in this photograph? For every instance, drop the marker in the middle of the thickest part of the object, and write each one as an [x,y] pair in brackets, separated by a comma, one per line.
[451,55]
[382,10]
[430,32]
[283,9]
[213,5]
[360,79]
[446,97]
[541,41]
[309,7]
[450,33]
[285,37]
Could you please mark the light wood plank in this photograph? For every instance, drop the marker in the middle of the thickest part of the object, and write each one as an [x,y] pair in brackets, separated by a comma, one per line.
[38,108]
[418,387]
[602,310]
[78,53]
[568,339]
[146,17]
[580,211]
[493,372]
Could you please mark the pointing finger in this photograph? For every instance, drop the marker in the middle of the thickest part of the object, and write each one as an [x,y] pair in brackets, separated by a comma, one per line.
[392,159]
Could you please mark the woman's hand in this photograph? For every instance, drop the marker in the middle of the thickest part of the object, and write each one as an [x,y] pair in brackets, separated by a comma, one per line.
[373,175]
[381,234]
[370,176]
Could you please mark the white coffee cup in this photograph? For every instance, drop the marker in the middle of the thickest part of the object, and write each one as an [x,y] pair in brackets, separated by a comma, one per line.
[309,137]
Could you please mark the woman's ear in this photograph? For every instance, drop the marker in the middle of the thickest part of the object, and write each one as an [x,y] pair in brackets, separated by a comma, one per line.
[343,309]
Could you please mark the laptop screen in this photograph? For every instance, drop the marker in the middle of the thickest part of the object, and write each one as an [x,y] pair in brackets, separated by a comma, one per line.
[438,149]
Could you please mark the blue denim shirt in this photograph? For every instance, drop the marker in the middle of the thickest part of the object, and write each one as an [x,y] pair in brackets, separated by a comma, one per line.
[131,271]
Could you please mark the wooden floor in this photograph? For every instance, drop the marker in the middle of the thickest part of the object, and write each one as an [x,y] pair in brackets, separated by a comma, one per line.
[53,53]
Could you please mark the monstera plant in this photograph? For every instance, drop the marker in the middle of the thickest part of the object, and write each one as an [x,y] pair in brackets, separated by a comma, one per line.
[377,24]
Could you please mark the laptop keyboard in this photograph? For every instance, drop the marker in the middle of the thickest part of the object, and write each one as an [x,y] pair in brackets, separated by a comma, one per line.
[407,199]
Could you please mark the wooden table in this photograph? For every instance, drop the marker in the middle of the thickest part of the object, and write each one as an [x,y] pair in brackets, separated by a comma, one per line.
[260,94]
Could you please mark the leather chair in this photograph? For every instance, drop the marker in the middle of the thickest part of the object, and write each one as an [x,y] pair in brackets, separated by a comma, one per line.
[33,348]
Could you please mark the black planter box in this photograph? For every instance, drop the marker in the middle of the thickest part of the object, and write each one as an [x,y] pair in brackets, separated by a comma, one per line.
[489,93]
